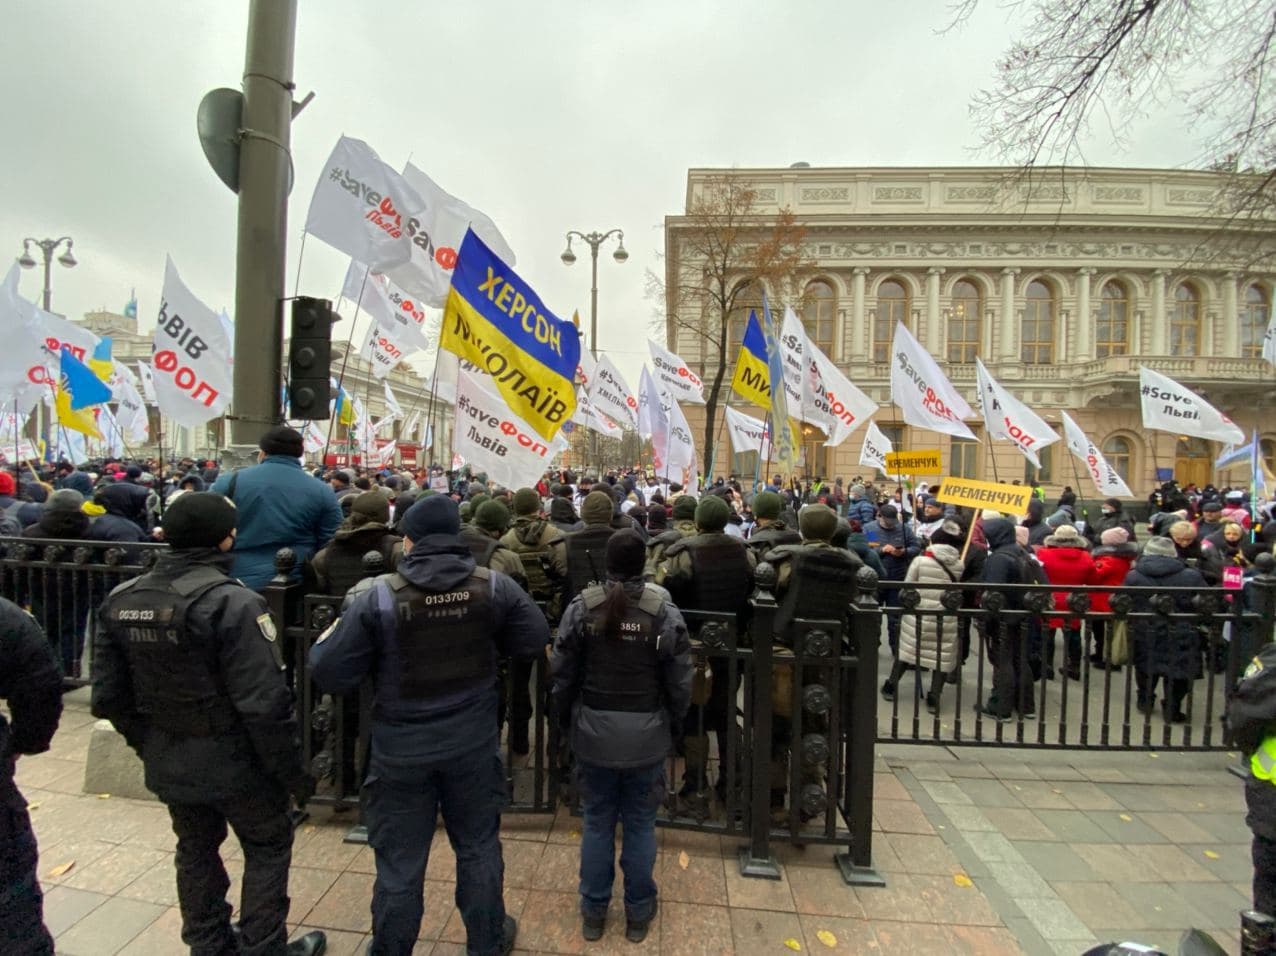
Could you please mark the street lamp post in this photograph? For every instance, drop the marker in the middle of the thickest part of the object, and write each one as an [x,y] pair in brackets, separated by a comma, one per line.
[48,247]
[595,240]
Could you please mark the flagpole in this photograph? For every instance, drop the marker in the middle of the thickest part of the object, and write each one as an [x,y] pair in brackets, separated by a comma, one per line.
[992,456]
[159,450]
[341,376]
[17,456]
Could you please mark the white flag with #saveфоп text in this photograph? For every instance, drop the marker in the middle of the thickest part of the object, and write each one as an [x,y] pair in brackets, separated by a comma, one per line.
[588,416]
[1007,417]
[494,440]
[612,394]
[875,448]
[1106,481]
[389,306]
[651,416]
[834,396]
[365,209]
[1171,407]
[191,365]
[745,431]
[675,375]
[923,393]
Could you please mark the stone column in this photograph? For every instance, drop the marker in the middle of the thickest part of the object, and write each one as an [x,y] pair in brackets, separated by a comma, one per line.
[1082,350]
[932,309]
[856,348]
[1009,340]
[1158,322]
[1231,338]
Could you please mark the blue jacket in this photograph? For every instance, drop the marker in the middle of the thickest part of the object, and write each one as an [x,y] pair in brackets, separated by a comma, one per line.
[410,735]
[901,536]
[280,506]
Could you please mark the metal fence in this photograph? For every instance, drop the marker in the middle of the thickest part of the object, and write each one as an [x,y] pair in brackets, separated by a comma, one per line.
[1069,696]
[62,583]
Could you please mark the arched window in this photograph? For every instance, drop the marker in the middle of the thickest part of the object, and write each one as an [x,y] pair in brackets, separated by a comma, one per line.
[1112,333]
[1038,324]
[1254,316]
[1185,322]
[1119,453]
[819,314]
[964,322]
[892,307]
[1043,475]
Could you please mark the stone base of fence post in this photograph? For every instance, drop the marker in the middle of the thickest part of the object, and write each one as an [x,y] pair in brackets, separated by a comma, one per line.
[756,859]
[112,766]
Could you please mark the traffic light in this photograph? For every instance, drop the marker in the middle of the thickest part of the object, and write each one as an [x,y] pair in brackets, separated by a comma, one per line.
[309,357]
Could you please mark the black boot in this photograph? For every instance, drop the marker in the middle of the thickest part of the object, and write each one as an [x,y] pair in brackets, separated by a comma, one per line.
[312,944]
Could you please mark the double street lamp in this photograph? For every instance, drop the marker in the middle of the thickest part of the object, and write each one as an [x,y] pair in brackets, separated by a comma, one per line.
[48,247]
[595,240]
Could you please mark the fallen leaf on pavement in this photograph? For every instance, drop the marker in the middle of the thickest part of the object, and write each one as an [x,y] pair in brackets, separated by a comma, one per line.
[684,861]
[827,938]
[793,944]
[33,806]
[1211,855]
[104,796]
[61,869]
[1127,818]
[961,879]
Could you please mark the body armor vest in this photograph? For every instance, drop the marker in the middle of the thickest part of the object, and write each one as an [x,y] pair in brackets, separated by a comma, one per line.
[622,668]
[173,672]
[444,637]
[821,586]
[344,560]
[720,572]
[525,542]
[767,539]
[482,546]
[587,556]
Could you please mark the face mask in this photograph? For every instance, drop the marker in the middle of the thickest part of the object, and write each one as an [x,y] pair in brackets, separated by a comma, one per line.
[1108,511]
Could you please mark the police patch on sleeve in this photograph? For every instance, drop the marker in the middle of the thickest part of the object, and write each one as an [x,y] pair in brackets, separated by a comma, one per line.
[1254,667]
[266,624]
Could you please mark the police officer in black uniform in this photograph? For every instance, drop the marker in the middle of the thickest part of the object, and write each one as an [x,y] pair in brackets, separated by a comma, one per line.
[430,635]
[186,665]
[709,571]
[770,531]
[32,685]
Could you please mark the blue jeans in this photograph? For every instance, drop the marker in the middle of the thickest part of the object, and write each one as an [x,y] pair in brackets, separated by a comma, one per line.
[401,809]
[632,797]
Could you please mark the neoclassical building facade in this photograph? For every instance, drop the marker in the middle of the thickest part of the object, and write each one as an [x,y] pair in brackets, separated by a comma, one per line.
[1064,286]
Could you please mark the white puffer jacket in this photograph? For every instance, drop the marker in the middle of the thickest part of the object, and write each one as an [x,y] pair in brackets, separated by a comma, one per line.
[929,568]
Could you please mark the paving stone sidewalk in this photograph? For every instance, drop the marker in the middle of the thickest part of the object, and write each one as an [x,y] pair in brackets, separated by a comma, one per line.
[981,856]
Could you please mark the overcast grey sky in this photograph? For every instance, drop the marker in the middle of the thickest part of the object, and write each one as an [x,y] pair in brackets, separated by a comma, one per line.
[548,116]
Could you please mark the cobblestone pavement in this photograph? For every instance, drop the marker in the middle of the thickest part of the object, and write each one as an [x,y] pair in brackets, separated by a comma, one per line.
[984,852]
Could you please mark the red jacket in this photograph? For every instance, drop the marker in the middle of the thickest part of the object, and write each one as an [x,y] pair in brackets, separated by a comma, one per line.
[1065,566]
[1111,564]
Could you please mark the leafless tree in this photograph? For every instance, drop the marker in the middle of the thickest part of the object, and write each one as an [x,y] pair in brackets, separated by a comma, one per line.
[724,250]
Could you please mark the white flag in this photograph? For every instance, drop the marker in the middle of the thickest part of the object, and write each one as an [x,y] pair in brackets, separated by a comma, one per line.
[833,396]
[130,411]
[313,438]
[611,394]
[392,403]
[1269,340]
[365,209]
[1171,407]
[924,395]
[801,399]
[147,379]
[33,347]
[388,305]
[439,228]
[494,440]
[680,457]
[675,375]
[586,367]
[588,416]
[653,421]
[745,431]
[381,349]
[191,365]
[1106,481]
[1007,417]
[875,448]
[112,434]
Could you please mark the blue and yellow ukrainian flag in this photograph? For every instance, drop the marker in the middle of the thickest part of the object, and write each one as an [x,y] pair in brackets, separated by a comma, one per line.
[344,407]
[752,379]
[493,319]
[100,360]
[782,431]
[78,390]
